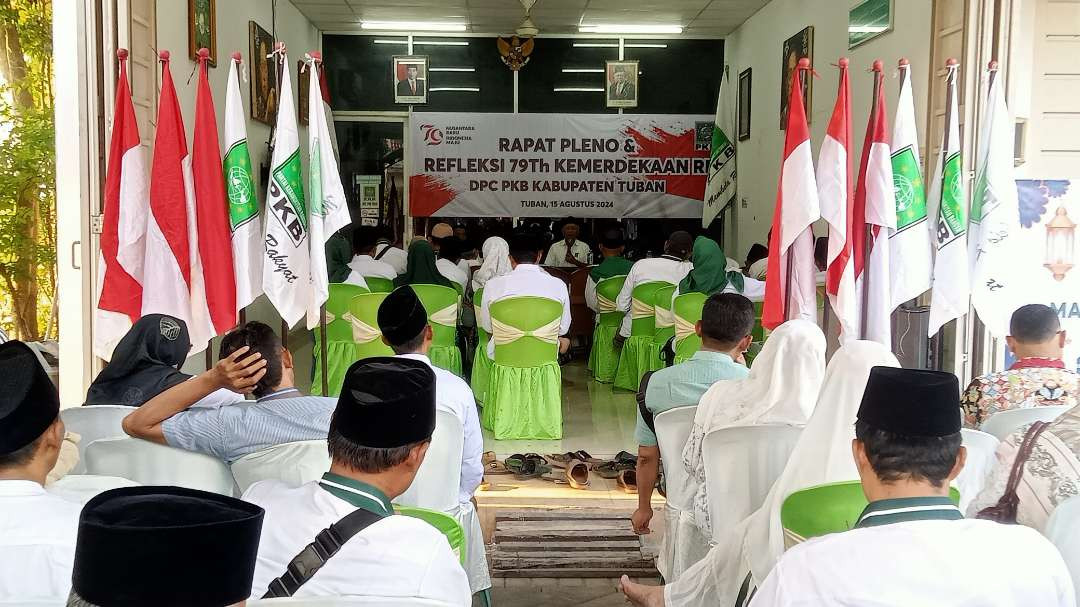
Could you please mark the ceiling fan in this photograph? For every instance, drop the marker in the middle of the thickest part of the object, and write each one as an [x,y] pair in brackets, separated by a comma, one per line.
[515,51]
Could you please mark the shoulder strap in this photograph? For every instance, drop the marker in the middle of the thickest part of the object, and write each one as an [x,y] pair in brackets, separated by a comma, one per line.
[1005,510]
[382,252]
[327,543]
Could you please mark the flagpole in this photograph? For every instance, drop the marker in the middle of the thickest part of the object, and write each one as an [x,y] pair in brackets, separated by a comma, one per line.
[803,69]
[868,238]
[322,347]
[951,65]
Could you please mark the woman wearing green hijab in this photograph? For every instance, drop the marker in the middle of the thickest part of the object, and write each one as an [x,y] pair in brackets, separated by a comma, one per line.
[710,274]
[420,269]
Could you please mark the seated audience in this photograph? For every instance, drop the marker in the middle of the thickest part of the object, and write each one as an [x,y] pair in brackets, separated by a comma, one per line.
[363,262]
[1038,377]
[395,256]
[338,251]
[147,362]
[712,274]
[37,529]
[440,231]
[405,328]
[526,279]
[670,267]
[379,435]
[782,388]
[422,268]
[724,328]
[165,546]
[907,449]
[461,232]
[613,263]
[252,360]
[569,252]
[757,260]
[449,260]
[496,262]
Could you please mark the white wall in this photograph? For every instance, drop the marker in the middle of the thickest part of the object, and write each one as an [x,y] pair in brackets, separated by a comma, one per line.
[758,44]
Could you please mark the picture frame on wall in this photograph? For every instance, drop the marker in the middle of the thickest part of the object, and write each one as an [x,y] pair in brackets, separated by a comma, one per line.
[264,79]
[410,79]
[202,29]
[868,20]
[745,83]
[621,84]
[796,47]
[303,89]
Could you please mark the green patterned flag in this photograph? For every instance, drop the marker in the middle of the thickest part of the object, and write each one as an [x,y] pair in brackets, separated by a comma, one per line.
[911,263]
[247,238]
[951,289]
[721,181]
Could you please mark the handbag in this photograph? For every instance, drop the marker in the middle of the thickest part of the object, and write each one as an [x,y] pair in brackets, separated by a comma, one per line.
[1004,511]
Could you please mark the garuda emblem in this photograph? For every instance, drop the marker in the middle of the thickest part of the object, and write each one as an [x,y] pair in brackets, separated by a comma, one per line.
[515,51]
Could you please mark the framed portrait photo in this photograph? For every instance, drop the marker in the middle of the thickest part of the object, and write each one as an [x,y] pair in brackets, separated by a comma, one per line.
[303,89]
[202,29]
[796,47]
[410,79]
[621,83]
[264,75]
[745,81]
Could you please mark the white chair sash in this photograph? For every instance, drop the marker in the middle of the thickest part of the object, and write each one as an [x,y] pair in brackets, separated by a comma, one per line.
[605,305]
[503,333]
[664,318]
[640,309]
[447,316]
[361,331]
[329,316]
[683,328]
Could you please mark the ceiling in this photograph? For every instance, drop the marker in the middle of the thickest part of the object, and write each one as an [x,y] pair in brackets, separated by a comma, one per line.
[703,18]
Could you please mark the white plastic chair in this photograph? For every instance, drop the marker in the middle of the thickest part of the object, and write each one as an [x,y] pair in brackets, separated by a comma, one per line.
[1063,529]
[741,465]
[980,460]
[292,463]
[149,463]
[93,423]
[346,601]
[682,541]
[84,487]
[1004,423]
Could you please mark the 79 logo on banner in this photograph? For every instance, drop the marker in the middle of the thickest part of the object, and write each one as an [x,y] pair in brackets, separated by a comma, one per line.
[433,135]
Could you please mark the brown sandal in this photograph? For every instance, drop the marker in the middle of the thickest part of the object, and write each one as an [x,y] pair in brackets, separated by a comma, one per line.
[577,474]
[627,481]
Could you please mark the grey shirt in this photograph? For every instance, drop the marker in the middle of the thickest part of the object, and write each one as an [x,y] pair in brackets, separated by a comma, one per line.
[232,431]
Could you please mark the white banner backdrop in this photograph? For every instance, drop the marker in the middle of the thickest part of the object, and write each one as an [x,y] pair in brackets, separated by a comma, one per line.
[549,165]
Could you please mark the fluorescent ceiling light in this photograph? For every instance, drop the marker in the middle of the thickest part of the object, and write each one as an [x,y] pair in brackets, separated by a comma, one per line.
[423,26]
[609,28]
[464,89]
[451,69]
[596,44]
[385,41]
[643,45]
[583,70]
[578,89]
[440,42]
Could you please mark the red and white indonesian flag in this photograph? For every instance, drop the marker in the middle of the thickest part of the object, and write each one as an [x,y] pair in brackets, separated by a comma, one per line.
[911,264]
[948,207]
[247,235]
[328,209]
[173,269]
[835,192]
[996,277]
[874,215]
[123,233]
[790,291]
[212,227]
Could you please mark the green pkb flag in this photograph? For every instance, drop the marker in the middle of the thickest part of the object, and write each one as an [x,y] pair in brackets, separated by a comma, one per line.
[909,189]
[953,211]
[240,188]
[244,207]
[287,177]
[720,184]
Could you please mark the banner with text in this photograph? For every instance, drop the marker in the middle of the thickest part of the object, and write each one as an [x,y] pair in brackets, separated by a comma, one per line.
[586,165]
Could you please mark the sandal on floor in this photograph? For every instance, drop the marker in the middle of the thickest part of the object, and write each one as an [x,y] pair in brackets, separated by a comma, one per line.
[577,474]
[584,456]
[488,457]
[559,460]
[627,481]
[612,469]
[496,467]
[528,466]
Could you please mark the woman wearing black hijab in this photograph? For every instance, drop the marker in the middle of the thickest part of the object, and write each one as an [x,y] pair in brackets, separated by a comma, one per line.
[144,364]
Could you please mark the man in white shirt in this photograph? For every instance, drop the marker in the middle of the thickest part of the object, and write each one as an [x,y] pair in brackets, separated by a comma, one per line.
[448,262]
[569,252]
[379,435]
[670,267]
[395,256]
[526,279]
[911,545]
[37,529]
[363,262]
[405,328]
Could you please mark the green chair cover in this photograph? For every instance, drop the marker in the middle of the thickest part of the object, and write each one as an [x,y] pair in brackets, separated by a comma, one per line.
[759,334]
[825,509]
[340,350]
[524,392]
[687,310]
[603,356]
[364,317]
[443,305]
[446,524]
[378,284]
[481,367]
[637,352]
[664,326]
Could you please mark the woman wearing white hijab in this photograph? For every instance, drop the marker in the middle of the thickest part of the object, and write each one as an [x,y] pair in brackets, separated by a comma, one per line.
[496,254]
[781,389]
[822,455]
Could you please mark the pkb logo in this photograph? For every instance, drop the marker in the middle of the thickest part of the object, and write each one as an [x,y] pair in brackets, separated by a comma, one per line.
[433,135]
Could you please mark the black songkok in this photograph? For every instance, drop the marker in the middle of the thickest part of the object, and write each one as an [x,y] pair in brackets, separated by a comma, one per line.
[29,402]
[386,402]
[401,315]
[911,402]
